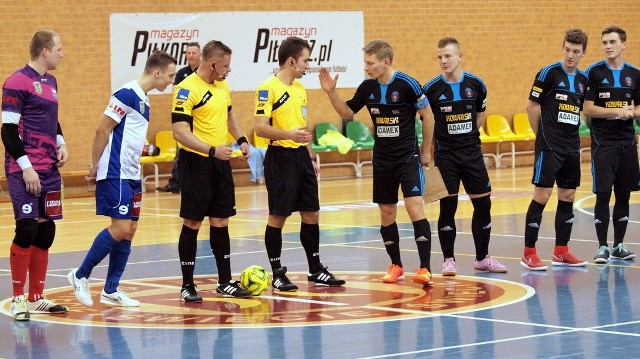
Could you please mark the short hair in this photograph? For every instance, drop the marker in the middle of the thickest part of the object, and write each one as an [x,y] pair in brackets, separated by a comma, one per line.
[442,43]
[292,47]
[196,44]
[42,39]
[576,37]
[618,30]
[215,48]
[380,48]
[158,59]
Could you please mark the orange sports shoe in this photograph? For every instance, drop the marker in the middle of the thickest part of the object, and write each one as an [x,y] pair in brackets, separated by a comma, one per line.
[423,276]
[394,273]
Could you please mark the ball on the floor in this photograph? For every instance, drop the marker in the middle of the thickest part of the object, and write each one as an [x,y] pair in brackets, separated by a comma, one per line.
[254,279]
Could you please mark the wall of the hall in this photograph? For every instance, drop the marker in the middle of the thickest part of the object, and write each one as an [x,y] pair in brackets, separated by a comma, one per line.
[504,41]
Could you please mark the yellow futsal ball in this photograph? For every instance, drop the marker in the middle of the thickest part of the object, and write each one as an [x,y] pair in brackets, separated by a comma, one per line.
[254,279]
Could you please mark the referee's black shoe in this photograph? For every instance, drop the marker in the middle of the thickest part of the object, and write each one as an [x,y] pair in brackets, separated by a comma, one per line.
[324,277]
[232,289]
[188,294]
[281,282]
[168,188]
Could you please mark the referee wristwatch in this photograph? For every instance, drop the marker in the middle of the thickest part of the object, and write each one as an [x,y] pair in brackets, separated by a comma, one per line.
[212,152]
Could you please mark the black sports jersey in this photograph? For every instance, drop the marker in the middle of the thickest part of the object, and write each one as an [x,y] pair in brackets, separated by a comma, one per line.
[393,109]
[455,107]
[561,96]
[613,89]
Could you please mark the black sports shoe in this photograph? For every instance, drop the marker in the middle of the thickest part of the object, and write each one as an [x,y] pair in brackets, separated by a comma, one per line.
[281,282]
[232,289]
[168,188]
[188,294]
[324,277]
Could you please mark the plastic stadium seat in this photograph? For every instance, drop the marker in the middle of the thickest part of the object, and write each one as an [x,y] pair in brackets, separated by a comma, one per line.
[521,126]
[419,130]
[359,133]
[167,145]
[498,126]
[484,138]
[320,129]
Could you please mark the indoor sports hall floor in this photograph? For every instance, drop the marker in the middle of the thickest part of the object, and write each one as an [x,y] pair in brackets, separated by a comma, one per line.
[563,312]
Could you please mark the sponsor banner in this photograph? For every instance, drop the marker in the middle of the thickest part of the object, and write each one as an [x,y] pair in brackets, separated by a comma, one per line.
[336,39]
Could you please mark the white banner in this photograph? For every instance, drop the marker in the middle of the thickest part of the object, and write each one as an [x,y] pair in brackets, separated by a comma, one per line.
[336,38]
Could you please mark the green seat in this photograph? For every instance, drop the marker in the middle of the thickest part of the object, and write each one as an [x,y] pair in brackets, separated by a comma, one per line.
[584,130]
[359,133]
[419,130]
[320,129]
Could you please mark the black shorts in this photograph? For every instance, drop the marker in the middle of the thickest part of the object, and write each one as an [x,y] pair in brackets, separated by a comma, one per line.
[206,188]
[292,184]
[466,165]
[409,176]
[561,168]
[615,165]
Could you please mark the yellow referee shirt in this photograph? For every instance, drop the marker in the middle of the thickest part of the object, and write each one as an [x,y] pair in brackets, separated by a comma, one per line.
[285,105]
[208,105]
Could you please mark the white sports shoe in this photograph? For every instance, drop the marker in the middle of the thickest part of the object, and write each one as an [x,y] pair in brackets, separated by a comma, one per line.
[46,306]
[118,299]
[19,308]
[80,288]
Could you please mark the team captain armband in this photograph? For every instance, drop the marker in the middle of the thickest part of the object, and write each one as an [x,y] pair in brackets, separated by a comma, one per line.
[242,140]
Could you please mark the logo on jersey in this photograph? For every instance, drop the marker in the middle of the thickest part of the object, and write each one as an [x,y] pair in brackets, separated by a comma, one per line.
[569,118]
[468,92]
[580,88]
[561,97]
[388,131]
[395,96]
[446,109]
[628,81]
[38,87]
[536,91]
[484,103]
[27,208]
[459,128]
[137,203]
[442,97]
[122,209]
[562,84]
[372,97]
[263,95]
[183,94]
[53,204]
[54,93]
[304,112]
[117,109]
[142,107]
[375,111]
[605,81]
[604,95]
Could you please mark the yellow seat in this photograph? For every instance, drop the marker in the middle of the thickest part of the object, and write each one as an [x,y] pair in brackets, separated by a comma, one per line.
[521,126]
[484,138]
[167,145]
[498,126]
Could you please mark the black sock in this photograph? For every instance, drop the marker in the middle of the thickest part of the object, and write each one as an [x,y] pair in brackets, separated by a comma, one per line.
[601,217]
[564,222]
[620,217]
[221,249]
[187,247]
[481,225]
[447,225]
[310,239]
[273,243]
[532,222]
[422,233]
[391,239]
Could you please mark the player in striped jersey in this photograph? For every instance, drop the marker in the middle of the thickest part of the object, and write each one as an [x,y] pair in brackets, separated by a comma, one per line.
[554,106]
[116,151]
[457,102]
[392,99]
[612,101]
